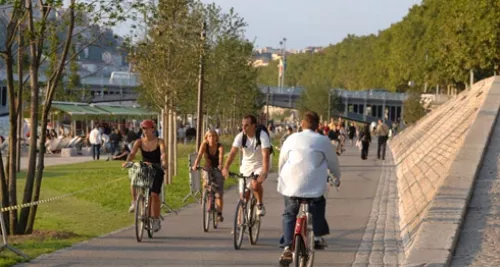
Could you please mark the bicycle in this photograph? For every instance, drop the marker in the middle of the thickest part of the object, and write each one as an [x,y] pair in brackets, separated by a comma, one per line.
[246,216]
[303,237]
[142,175]
[208,206]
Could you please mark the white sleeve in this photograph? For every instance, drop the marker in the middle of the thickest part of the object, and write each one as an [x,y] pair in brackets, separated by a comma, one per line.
[238,140]
[264,140]
[284,153]
[331,158]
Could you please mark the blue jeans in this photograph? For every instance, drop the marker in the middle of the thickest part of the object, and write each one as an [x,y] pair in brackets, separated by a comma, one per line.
[317,208]
[96,150]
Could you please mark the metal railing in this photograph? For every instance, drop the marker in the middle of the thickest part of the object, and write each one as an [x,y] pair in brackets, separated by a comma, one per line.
[371,94]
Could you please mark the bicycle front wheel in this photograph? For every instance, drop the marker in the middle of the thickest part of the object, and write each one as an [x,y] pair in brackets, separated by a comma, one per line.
[239,225]
[148,221]
[205,208]
[139,217]
[254,224]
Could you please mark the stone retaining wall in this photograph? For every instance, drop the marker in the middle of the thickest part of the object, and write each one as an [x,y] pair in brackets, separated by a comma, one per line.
[425,152]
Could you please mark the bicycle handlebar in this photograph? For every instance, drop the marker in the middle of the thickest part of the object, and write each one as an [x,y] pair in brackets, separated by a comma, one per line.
[201,168]
[333,182]
[129,164]
[251,176]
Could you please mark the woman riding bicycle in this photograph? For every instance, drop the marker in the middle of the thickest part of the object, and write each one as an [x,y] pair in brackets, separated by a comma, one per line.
[213,152]
[153,152]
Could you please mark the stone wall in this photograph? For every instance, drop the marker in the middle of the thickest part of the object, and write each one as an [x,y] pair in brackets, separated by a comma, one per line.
[424,153]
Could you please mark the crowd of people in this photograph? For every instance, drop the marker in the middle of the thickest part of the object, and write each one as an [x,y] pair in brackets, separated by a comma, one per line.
[307,157]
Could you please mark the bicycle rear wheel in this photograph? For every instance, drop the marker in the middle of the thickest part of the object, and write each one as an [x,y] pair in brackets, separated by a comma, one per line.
[139,217]
[254,224]
[239,225]
[299,256]
[205,208]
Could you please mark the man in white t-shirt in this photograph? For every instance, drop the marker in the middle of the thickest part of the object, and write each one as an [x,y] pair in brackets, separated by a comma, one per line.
[255,157]
[95,140]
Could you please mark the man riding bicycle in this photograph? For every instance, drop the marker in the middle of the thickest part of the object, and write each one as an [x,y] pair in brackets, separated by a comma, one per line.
[304,162]
[255,157]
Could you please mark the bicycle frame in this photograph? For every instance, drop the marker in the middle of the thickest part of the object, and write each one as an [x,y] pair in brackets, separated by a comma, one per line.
[303,224]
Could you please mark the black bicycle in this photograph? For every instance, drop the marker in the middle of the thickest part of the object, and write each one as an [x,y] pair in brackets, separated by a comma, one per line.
[246,213]
[143,178]
[208,205]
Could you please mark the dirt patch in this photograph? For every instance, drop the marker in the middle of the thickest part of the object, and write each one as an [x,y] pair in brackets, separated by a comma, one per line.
[40,235]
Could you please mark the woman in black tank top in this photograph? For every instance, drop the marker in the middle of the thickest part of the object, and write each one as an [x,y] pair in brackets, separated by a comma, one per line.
[152,151]
[213,153]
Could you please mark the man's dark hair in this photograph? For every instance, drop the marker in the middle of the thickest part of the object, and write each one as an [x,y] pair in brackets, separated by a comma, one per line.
[253,119]
[311,120]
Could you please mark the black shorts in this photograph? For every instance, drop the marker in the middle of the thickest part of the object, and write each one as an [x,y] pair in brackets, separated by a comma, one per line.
[158,182]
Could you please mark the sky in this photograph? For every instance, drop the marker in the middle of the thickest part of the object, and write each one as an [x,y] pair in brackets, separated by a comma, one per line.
[314,22]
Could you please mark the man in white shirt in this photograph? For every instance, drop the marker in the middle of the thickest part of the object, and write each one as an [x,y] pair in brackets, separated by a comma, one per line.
[305,159]
[95,140]
[255,157]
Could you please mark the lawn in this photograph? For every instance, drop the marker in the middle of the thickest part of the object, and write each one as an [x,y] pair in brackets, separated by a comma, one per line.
[99,205]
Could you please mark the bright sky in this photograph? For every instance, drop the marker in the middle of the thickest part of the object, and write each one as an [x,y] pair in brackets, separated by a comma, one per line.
[313,22]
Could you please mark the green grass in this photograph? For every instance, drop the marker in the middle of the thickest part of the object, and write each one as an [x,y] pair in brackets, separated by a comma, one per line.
[95,212]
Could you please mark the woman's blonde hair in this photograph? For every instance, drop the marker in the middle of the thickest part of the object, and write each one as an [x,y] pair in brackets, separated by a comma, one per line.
[213,132]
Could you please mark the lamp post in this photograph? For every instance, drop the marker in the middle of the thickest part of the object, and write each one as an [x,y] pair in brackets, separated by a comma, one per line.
[328,114]
[201,77]
[281,78]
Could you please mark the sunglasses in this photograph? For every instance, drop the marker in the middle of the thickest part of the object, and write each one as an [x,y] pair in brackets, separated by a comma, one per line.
[144,128]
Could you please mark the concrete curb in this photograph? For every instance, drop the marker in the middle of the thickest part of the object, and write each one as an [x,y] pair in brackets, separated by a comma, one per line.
[439,233]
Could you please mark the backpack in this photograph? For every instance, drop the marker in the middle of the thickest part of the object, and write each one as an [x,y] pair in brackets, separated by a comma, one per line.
[258,130]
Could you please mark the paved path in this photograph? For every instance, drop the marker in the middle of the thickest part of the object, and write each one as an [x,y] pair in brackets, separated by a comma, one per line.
[479,239]
[181,242]
[51,160]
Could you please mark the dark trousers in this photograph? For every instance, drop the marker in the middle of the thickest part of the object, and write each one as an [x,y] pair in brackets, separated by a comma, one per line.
[114,147]
[382,144]
[317,209]
[96,150]
[364,149]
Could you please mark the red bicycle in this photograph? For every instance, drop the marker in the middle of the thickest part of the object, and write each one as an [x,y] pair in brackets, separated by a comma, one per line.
[303,238]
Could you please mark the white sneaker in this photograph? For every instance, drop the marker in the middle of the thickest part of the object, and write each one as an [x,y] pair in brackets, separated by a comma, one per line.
[156,225]
[131,208]
[261,210]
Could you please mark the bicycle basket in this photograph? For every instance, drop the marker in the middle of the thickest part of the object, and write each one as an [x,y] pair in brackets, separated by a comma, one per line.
[142,175]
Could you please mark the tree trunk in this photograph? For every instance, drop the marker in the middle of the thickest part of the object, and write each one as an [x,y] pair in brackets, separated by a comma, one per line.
[165,135]
[11,168]
[39,171]
[174,143]
[19,99]
[34,105]
[4,191]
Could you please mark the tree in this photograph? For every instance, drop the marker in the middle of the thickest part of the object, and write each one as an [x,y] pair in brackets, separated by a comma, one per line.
[414,110]
[36,20]
[172,74]
[438,42]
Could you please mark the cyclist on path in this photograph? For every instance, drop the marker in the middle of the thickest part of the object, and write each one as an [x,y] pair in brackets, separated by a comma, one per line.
[255,157]
[152,151]
[304,162]
[213,152]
